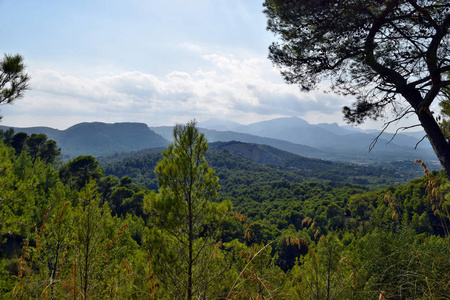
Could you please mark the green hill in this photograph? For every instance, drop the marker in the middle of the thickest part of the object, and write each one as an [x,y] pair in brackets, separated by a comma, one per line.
[243,163]
[100,138]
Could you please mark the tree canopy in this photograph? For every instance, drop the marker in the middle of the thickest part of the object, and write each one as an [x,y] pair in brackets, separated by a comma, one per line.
[184,209]
[390,54]
[13,79]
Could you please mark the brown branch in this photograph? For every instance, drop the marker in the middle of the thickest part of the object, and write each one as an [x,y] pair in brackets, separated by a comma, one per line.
[386,125]
[420,141]
[402,129]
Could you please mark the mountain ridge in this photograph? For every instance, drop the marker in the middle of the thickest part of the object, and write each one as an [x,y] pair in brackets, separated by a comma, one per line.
[295,135]
[97,138]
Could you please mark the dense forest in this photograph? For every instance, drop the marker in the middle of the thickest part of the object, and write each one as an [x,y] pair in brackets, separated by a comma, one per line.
[188,222]
[231,219]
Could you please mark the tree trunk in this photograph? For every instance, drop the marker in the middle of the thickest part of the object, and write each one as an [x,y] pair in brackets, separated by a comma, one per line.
[191,241]
[436,138]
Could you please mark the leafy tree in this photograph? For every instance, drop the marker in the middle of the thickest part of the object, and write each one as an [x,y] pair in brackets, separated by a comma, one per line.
[47,264]
[106,186]
[77,172]
[389,54]
[100,247]
[320,274]
[36,145]
[118,196]
[7,136]
[13,79]
[39,146]
[187,218]
[26,190]
[19,142]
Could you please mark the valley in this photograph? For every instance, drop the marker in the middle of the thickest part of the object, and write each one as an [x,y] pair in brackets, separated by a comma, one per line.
[268,204]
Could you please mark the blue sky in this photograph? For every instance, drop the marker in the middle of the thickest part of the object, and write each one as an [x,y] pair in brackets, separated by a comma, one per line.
[156,62]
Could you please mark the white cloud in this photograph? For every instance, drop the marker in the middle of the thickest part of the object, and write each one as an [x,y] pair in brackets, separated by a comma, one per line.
[225,87]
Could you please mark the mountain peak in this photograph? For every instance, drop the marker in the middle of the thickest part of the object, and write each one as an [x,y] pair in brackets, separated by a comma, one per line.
[219,124]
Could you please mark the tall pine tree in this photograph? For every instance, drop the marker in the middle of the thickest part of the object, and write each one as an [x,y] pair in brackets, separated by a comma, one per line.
[188,219]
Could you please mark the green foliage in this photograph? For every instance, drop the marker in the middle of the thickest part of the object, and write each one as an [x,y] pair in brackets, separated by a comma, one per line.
[187,220]
[77,172]
[36,145]
[291,239]
[403,265]
[322,274]
[13,79]
[99,247]
[27,190]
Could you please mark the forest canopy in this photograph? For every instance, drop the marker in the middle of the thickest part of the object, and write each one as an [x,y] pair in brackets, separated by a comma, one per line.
[73,232]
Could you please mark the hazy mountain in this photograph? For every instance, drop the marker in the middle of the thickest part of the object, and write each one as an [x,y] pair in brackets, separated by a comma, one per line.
[221,125]
[324,141]
[100,138]
[51,133]
[275,125]
[226,136]
[325,169]
[340,142]
[295,135]
[324,135]
[336,129]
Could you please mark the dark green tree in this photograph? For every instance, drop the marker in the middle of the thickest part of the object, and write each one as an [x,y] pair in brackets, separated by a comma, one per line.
[50,152]
[7,136]
[39,146]
[389,54]
[34,144]
[77,172]
[13,79]
[19,142]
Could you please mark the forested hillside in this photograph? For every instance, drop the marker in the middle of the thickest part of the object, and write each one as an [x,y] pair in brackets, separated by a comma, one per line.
[238,163]
[279,227]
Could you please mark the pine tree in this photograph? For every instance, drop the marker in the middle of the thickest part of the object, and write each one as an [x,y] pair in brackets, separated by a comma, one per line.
[187,218]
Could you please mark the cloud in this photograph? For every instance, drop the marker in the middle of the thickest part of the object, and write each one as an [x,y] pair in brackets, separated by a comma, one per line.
[223,87]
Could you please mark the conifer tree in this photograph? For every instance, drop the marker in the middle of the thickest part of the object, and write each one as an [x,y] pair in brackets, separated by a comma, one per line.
[100,248]
[188,219]
[13,79]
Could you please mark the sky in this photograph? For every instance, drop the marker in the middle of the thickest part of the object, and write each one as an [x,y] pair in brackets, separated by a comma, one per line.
[155,62]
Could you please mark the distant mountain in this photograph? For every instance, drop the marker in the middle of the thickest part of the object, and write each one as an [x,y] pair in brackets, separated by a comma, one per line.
[340,143]
[324,135]
[275,125]
[100,138]
[221,125]
[324,141]
[227,136]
